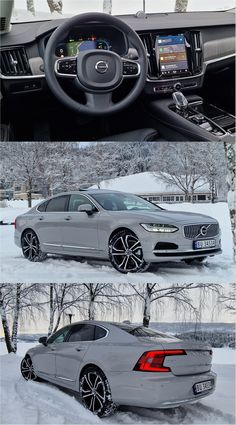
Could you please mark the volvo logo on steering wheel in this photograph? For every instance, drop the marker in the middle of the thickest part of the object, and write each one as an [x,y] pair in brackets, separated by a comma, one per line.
[203,231]
[101,67]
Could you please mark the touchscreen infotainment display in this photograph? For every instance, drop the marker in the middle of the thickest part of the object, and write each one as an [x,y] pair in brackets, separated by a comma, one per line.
[171,54]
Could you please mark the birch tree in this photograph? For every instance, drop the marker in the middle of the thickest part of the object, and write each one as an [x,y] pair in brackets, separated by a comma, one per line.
[230,150]
[179,293]
[229,300]
[107,6]
[55,5]
[30,6]
[181,5]
[18,302]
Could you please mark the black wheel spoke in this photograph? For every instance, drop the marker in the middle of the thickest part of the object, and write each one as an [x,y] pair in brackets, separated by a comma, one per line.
[127,254]
[93,391]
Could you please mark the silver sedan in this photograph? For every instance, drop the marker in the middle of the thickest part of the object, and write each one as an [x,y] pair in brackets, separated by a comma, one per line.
[124,228]
[112,364]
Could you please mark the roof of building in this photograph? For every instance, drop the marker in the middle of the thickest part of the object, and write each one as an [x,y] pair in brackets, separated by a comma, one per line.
[147,183]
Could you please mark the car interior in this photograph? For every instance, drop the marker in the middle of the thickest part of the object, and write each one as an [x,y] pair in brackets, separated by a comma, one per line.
[135,77]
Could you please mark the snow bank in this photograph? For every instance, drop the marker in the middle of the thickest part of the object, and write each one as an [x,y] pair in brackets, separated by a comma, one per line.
[32,403]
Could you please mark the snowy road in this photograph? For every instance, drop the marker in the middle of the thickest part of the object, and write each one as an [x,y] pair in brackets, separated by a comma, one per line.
[39,403]
[14,268]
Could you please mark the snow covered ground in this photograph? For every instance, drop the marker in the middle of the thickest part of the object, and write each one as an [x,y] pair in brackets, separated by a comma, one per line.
[40,403]
[15,268]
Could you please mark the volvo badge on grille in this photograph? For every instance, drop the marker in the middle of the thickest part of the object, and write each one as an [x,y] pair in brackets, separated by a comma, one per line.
[203,230]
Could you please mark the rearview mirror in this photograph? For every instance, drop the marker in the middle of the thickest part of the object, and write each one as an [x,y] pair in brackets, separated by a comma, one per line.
[43,340]
[86,208]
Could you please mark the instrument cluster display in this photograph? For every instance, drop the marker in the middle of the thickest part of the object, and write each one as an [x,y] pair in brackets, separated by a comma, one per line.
[73,46]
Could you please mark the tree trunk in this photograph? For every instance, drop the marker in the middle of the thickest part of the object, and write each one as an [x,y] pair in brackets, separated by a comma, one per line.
[91,309]
[230,150]
[55,5]
[30,6]
[58,321]
[16,318]
[5,325]
[51,311]
[147,306]
[107,6]
[181,5]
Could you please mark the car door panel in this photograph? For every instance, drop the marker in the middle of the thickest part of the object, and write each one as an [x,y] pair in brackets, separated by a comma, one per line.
[80,232]
[68,359]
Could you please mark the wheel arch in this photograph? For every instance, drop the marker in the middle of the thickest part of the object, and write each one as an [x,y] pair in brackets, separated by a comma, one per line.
[120,229]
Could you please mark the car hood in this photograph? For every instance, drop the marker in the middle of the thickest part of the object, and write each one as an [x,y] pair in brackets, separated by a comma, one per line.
[166,217]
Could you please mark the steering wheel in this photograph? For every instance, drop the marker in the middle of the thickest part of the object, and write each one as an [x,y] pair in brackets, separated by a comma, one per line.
[96,72]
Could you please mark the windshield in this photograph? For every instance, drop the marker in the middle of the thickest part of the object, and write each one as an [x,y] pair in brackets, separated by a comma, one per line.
[123,202]
[38,10]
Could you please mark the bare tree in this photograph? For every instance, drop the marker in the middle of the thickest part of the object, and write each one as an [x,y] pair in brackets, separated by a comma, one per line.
[107,6]
[17,302]
[181,5]
[64,297]
[55,5]
[229,300]
[151,293]
[30,6]
[230,150]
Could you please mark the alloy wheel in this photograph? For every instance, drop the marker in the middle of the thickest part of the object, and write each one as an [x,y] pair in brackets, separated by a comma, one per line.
[31,248]
[93,392]
[126,253]
[27,369]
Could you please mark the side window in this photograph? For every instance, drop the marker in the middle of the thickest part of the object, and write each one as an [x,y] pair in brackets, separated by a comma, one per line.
[99,332]
[42,207]
[57,204]
[82,333]
[59,336]
[77,200]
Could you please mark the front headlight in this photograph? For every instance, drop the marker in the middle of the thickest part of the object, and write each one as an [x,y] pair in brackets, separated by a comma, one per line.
[159,228]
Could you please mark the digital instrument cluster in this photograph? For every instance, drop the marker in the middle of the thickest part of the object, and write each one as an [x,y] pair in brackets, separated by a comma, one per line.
[73,46]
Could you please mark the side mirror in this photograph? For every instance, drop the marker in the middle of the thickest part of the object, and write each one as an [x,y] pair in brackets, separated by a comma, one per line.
[43,340]
[86,208]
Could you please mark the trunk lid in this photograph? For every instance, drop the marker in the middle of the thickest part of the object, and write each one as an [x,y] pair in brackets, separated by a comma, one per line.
[198,358]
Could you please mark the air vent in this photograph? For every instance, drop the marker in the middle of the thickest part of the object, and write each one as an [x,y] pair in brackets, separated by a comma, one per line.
[14,62]
[3,23]
[196,52]
[147,39]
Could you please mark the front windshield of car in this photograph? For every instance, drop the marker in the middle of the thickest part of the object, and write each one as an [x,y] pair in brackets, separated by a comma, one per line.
[124,202]
[39,10]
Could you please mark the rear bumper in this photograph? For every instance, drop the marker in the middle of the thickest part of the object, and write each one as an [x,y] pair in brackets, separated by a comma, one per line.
[160,391]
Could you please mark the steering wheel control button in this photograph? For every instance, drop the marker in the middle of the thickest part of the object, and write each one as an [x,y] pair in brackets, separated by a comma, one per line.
[66,66]
[130,68]
[101,67]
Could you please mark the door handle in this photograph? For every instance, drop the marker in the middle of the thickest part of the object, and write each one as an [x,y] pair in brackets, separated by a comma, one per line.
[68,218]
[53,348]
[41,218]
[80,349]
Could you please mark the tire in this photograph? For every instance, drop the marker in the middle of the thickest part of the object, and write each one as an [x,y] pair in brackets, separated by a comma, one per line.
[126,254]
[95,392]
[194,260]
[31,247]
[27,369]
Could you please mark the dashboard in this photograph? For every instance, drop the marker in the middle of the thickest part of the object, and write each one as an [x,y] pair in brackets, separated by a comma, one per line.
[180,48]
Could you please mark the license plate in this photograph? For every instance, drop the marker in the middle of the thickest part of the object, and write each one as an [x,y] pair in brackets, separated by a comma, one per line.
[209,243]
[200,387]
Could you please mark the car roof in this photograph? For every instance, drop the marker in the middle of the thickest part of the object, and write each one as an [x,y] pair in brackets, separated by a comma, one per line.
[87,191]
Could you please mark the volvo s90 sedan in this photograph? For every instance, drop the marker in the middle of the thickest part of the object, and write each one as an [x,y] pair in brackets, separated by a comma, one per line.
[124,228]
[112,364]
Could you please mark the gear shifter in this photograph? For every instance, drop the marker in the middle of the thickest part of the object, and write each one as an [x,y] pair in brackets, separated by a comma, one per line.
[180,100]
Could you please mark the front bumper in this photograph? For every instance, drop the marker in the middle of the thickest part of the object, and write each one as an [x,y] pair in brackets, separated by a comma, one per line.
[183,246]
[153,390]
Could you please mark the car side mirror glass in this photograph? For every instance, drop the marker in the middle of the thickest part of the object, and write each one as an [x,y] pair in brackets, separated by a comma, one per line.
[43,340]
[86,208]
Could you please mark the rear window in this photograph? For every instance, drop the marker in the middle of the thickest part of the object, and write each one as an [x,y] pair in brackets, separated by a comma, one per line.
[141,331]
[57,204]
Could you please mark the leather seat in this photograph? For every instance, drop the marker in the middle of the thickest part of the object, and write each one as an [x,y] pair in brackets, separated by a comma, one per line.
[140,135]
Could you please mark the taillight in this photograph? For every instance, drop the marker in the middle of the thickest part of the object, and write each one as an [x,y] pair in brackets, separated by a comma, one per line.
[152,361]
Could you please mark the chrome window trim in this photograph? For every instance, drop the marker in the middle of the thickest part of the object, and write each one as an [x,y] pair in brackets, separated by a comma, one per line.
[66,211]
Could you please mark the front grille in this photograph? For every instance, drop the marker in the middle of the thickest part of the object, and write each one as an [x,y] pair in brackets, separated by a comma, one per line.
[201,231]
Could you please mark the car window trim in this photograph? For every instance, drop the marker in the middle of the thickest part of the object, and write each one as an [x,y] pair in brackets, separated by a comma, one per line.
[91,340]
